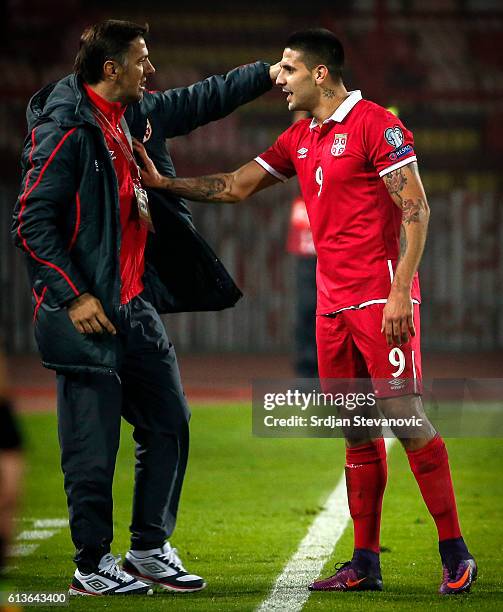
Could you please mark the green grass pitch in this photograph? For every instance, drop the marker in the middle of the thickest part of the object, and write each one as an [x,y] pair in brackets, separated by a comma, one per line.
[248,502]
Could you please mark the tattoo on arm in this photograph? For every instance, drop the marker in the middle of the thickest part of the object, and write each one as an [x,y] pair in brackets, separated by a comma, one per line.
[213,188]
[408,196]
[212,185]
[413,210]
[395,182]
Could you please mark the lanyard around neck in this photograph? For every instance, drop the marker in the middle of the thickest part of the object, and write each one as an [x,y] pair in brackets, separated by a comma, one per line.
[107,126]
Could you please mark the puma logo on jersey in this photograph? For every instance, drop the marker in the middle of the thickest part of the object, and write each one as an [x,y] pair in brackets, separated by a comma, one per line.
[302,153]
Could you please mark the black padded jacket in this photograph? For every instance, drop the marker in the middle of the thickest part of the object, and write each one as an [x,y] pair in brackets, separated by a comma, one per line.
[67,221]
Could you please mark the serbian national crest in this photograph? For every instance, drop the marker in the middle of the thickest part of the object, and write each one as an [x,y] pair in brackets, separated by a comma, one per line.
[339,145]
[148,131]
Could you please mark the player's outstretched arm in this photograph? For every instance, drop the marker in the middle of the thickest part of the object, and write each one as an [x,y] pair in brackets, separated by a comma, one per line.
[405,187]
[225,187]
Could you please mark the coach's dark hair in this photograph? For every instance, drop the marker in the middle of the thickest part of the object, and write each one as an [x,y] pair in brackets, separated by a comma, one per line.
[108,40]
[319,46]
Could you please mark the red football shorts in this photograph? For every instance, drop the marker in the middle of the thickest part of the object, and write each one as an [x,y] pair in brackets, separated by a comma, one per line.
[351,345]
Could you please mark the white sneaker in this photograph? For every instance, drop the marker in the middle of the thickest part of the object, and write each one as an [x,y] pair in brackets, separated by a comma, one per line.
[108,579]
[162,566]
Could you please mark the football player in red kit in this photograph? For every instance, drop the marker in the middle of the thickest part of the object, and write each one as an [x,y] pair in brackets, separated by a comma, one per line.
[357,169]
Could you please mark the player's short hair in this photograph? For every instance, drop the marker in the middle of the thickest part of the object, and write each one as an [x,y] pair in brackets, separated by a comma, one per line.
[319,46]
[108,40]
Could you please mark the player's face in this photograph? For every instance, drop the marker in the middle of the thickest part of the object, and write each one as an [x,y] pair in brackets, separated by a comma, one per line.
[132,75]
[297,81]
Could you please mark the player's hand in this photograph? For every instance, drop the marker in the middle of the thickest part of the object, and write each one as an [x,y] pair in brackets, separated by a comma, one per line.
[88,316]
[397,318]
[274,70]
[150,177]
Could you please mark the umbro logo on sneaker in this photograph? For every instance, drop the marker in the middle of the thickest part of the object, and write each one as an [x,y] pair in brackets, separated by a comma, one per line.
[97,584]
[163,567]
[108,579]
[154,567]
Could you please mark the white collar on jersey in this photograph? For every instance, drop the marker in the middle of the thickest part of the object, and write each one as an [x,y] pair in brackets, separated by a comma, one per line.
[343,109]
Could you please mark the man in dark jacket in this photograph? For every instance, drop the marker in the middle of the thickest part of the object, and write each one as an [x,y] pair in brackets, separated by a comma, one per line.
[100,279]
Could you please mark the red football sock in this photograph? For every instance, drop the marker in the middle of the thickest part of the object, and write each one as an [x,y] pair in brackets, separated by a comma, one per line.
[366,475]
[430,466]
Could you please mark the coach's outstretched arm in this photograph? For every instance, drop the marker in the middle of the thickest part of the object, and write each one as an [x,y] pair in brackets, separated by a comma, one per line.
[405,188]
[184,109]
[225,187]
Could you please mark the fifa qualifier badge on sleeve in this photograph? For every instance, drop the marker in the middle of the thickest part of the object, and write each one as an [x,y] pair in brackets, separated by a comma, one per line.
[394,136]
[143,209]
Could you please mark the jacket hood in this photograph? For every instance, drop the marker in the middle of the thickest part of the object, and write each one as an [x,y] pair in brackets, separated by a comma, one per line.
[61,102]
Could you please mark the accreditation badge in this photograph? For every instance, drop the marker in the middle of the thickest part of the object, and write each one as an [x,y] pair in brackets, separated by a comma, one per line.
[143,208]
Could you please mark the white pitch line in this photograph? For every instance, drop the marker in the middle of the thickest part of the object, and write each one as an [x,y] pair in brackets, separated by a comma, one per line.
[48,523]
[36,534]
[41,531]
[22,550]
[290,590]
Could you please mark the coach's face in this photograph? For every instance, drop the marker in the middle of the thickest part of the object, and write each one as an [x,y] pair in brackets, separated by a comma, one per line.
[297,81]
[132,76]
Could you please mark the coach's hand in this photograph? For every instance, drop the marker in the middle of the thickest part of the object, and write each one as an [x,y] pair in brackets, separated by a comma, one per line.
[274,70]
[88,316]
[397,318]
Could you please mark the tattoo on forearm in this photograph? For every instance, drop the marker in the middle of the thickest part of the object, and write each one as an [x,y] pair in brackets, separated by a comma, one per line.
[413,211]
[395,181]
[212,188]
[328,93]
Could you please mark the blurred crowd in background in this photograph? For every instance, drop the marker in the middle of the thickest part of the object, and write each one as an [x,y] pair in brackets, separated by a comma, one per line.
[438,62]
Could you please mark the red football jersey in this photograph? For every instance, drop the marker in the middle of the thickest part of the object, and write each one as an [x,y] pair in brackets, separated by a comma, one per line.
[134,234]
[355,224]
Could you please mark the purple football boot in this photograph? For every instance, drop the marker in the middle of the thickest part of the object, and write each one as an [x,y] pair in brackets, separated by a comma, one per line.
[348,578]
[460,579]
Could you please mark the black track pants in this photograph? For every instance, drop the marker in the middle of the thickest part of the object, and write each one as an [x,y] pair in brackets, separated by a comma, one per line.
[148,394]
